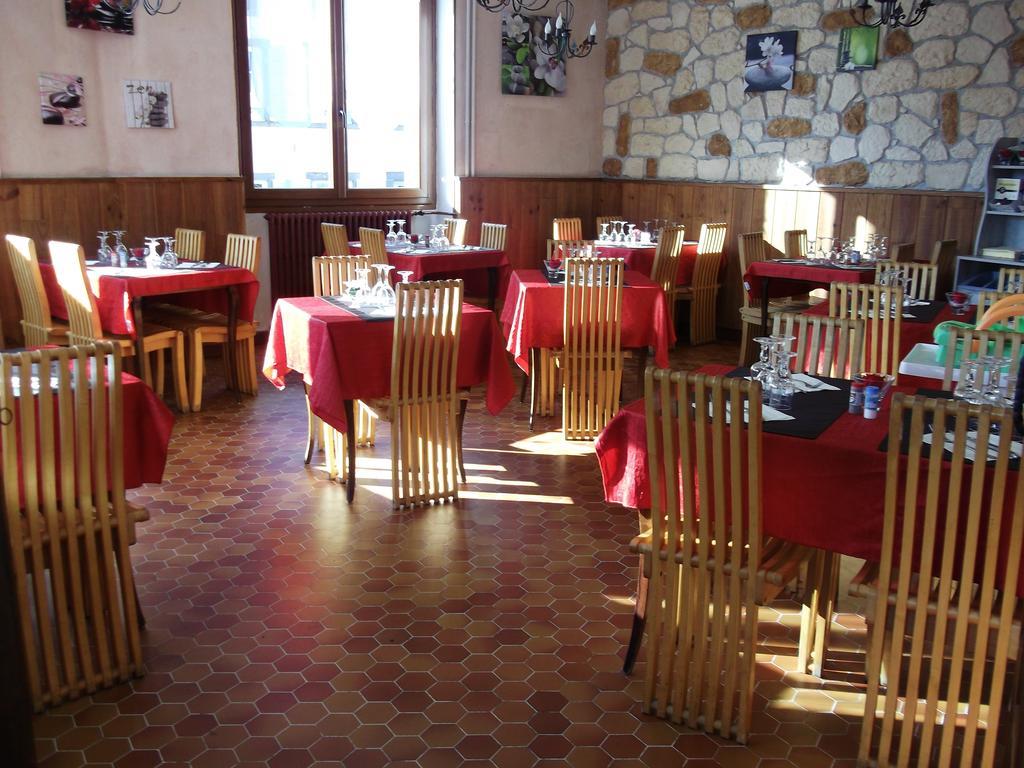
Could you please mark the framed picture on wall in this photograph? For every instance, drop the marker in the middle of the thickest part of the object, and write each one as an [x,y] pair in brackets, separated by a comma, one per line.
[770,61]
[858,49]
[100,15]
[147,104]
[62,99]
[526,70]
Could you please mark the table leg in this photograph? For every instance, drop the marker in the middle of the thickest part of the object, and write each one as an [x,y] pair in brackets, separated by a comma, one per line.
[229,354]
[492,287]
[140,341]
[350,434]
[764,306]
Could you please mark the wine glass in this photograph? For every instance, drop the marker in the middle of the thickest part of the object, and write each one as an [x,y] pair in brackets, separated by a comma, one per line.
[781,384]
[103,253]
[967,386]
[402,236]
[959,301]
[120,249]
[603,237]
[363,281]
[628,235]
[405,274]
[169,260]
[391,237]
[759,370]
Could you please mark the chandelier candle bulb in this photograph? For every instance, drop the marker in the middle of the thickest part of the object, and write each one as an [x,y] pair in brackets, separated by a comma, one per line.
[558,22]
[593,31]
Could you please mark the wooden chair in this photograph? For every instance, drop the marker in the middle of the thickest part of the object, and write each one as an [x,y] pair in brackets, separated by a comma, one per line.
[921,277]
[591,356]
[68,521]
[825,346]
[371,243]
[493,236]
[85,328]
[903,252]
[38,327]
[963,344]
[211,328]
[335,239]
[190,244]
[1010,279]
[985,301]
[945,621]
[455,230]
[330,275]
[425,409]
[567,229]
[796,243]
[944,259]
[752,247]
[708,570]
[665,268]
[857,301]
[564,248]
[702,293]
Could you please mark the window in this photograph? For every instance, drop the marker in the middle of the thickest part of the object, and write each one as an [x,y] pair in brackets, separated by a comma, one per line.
[336,102]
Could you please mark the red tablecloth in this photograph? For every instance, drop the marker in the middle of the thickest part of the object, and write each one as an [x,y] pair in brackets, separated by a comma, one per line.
[532,315]
[343,357]
[789,279]
[641,258]
[910,333]
[827,493]
[116,289]
[454,264]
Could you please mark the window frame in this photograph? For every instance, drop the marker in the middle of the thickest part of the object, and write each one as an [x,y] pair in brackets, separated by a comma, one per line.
[341,196]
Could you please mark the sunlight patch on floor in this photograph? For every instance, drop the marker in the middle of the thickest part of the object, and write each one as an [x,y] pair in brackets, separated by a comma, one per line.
[553,444]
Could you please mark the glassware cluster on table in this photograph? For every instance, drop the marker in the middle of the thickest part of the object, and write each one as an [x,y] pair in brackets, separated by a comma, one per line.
[619,231]
[119,254]
[837,250]
[987,380]
[897,278]
[772,371]
[360,293]
[396,234]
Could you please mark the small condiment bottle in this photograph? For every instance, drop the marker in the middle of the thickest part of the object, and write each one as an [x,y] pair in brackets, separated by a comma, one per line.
[871,396]
[857,395]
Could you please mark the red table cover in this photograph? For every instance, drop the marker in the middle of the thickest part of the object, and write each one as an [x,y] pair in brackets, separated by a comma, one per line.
[343,357]
[532,315]
[790,279]
[827,493]
[641,258]
[115,289]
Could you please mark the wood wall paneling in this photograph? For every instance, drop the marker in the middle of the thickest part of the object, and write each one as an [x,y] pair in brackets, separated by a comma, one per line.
[76,209]
[529,205]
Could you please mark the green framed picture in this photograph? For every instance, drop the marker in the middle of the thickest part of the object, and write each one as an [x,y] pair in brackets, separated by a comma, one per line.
[858,49]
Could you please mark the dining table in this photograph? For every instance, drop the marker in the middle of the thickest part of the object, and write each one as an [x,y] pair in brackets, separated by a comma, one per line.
[640,257]
[532,316]
[453,261]
[343,357]
[121,293]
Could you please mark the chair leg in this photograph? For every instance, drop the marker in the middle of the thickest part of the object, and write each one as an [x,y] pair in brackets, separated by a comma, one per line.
[461,422]
[636,636]
[522,388]
[816,613]
[178,373]
[138,606]
[160,379]
[744,341]
[196,372]
[533,378]
[312,426]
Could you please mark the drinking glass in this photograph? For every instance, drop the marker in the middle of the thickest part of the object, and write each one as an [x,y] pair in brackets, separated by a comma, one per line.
[169,259]
[391,236]
[780,382]
[401,237]
[603,237]
[104,254]
[405,274]
[967,387]
[759,371]
[629,231]
[363,279]
[908,291]
[958,301]
[120,249]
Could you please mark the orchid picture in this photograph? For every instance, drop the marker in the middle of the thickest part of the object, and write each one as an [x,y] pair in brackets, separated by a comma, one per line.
[525,69]
[770,61]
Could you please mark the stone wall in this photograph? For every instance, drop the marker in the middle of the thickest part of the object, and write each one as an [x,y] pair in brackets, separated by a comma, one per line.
[925,118]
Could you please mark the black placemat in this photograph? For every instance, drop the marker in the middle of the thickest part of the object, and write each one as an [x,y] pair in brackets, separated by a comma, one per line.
[923,313]
[938,394]
[557,276]
[363,313]
[812,412]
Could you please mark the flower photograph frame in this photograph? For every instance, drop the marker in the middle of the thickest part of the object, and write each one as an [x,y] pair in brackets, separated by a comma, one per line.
[526,70]
[770,62]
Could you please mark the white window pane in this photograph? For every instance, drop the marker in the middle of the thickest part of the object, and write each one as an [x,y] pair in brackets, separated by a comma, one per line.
[290,93]
[382,78]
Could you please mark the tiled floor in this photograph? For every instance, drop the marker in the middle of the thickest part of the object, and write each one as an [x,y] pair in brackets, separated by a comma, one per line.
[286,628]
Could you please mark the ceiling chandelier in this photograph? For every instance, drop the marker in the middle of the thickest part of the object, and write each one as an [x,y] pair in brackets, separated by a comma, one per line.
[558,42]
[152,7]
[518,6]
[890,13]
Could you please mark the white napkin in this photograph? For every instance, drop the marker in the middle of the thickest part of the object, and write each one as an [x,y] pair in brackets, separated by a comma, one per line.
[971,446]
[804,383]
[767,413]
[197,264]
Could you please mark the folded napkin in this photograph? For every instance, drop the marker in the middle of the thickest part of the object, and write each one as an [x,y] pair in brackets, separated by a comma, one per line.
[804,383]
[767,413]
[971,446]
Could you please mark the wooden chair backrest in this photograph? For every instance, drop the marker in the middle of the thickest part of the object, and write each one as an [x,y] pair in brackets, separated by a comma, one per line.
[335,239]
[567,229]
[564,248]
[243,251]
[455,230]
[62,452]
[592,349]
[665,269]
[424,401]
[986,299]
[880,306]
[695,441]
[493,236]
[963,344]
[68,259]
[825,346]
[903,252]
[947,587]
[751,247]
[190,244]
[35,307]
[371,243]
[922,277]
[331,273]
[712,238]
[709,255]
[1011,279]
[944,258]
[796,243]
